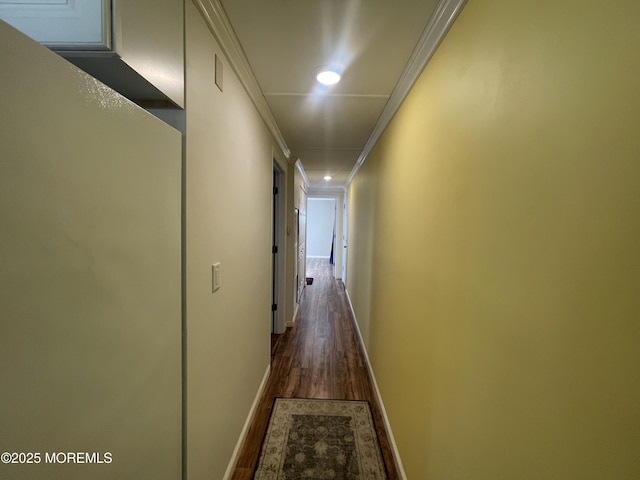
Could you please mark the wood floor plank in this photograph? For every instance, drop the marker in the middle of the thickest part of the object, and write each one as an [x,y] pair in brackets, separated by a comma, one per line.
[320,357]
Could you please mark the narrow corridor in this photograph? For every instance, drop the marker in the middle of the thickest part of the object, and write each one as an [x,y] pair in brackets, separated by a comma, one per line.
[320,357]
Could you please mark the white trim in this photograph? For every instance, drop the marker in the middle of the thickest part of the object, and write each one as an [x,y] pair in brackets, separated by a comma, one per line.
[292,321]
[245,429]
[387,425]
[219,24]
[326,95]
[445,14]
[303,174]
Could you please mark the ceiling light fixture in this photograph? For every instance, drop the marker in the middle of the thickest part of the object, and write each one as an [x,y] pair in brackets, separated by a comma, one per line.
[327,76]
[327,177]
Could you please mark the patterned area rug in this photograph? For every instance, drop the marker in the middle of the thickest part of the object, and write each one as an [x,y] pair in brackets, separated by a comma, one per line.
[320,439]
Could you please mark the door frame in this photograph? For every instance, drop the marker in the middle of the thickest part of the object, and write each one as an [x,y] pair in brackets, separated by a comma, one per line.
[278,273]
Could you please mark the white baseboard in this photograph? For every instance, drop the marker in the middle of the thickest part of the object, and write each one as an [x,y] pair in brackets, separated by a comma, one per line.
[396,454]
[291,322]
[245,429]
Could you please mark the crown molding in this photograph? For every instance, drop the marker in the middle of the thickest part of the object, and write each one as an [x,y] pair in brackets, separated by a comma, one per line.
[303,174]
[220,26]
[443,17]
[320,192]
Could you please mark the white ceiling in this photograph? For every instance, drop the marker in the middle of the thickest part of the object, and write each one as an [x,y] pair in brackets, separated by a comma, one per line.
[285,41]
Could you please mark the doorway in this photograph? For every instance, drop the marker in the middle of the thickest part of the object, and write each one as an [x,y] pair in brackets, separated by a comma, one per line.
[321,230]
[334,203]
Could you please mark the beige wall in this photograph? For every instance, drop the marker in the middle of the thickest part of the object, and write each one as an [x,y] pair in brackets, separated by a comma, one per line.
[502,315]
[132,248]
[89,274]
[229,172]
[149,37]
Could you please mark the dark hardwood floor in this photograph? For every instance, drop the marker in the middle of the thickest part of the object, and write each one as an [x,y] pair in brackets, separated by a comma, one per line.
[320,357]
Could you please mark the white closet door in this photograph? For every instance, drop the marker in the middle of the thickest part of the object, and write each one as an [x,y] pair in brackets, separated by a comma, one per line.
[62,24]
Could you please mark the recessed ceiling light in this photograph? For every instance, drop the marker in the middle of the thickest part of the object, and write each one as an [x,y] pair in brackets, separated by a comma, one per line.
[328,77]
[327,177]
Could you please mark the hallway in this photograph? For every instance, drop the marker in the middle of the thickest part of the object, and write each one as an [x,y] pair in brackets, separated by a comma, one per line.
[320,357]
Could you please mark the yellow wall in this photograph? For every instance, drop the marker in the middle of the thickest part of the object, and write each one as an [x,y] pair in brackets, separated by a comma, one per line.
[504,302]
[362,194]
